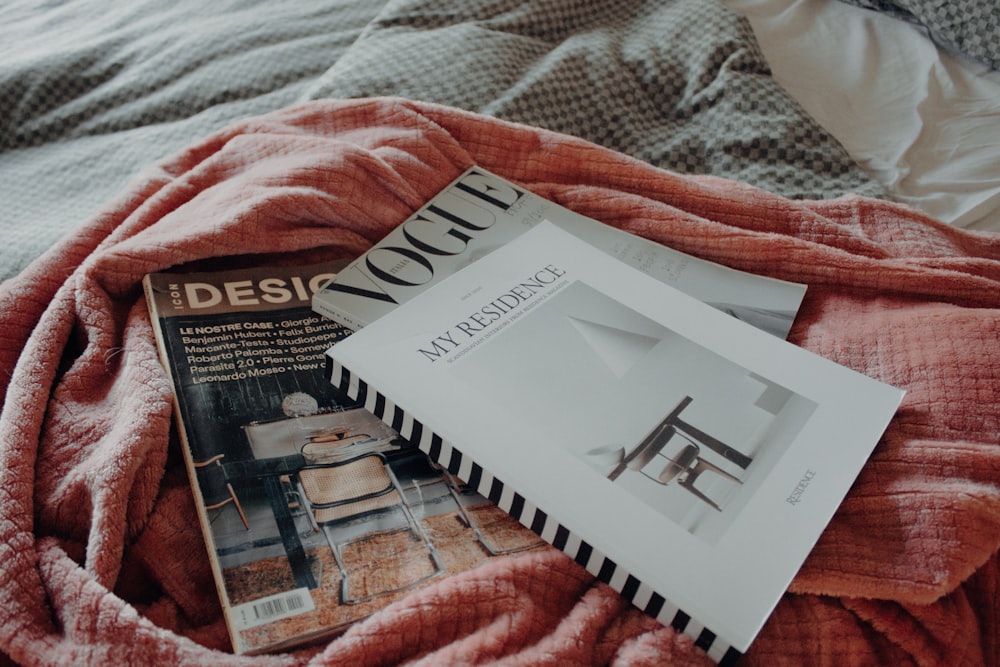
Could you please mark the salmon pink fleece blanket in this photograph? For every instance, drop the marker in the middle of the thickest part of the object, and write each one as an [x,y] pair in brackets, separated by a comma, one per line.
[101,558]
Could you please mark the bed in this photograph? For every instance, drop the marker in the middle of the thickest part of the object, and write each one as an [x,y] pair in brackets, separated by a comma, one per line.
[850,145]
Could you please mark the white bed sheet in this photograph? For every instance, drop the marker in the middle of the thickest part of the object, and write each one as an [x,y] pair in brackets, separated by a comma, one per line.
[924,122]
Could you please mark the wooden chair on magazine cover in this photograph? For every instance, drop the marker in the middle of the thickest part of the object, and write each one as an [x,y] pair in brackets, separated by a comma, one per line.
[358,500]
[683,468]
[216,490]
[686,466]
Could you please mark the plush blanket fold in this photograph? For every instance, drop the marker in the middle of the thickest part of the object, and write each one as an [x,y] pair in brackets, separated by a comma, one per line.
[101,559]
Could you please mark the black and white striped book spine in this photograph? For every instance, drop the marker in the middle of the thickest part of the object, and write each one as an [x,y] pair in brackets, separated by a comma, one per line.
[536,519]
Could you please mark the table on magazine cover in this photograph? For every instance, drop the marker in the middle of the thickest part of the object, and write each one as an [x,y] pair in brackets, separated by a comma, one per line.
[269,471]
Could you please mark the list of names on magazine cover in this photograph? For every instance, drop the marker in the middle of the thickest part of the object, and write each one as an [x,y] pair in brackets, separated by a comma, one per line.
[250,348]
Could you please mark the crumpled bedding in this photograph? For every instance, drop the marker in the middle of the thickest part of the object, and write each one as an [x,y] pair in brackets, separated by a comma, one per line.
[921,119]
[93,93]
[101,561]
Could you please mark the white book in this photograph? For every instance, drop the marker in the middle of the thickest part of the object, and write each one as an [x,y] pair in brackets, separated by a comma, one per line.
[684,457]
[480,212]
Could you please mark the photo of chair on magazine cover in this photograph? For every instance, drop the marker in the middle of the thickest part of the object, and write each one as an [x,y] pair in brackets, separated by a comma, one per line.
[339,504]
[362,497]
[216,489]
[688,432]
[684,466]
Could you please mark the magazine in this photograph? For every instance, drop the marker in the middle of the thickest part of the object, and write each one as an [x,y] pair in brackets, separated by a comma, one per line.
[314,512]
[687,459]
[481,211]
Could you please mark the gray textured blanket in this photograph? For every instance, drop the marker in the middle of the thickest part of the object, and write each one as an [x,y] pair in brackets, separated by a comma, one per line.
[91,93]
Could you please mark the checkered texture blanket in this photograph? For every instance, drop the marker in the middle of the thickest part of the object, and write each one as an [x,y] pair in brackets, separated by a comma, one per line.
[93,93]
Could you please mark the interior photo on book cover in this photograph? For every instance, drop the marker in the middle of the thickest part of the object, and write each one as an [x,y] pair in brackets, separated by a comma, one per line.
[693,434]
[315,513]
[649,436]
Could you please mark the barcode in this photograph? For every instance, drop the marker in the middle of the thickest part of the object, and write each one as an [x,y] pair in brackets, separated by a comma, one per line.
[272,608]
[278,607]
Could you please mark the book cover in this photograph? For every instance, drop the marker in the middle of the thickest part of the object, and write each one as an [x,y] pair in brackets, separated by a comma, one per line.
[481,211]
[687,459]
[315,513]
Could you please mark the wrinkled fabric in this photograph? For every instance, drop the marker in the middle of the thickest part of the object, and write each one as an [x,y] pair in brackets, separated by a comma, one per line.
[101,558]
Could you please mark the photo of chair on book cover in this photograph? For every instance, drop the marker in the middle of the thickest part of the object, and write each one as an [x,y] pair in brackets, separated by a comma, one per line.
[333,517]
[690,433]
